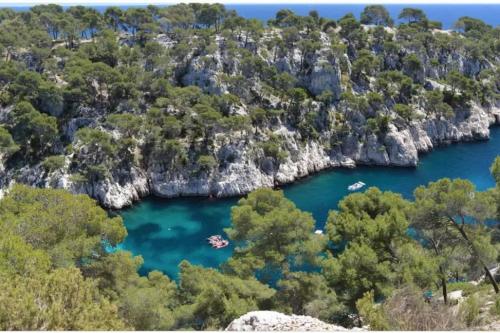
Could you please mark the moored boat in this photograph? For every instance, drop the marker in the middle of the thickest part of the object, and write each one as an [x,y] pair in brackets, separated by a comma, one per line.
[356,186]
[221,244]
[217,241]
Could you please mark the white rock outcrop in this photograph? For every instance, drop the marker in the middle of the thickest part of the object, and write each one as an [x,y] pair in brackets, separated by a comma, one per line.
[247,171]
[275,321]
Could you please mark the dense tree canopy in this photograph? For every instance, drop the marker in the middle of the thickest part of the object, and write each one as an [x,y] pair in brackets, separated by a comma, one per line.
[376,14]
[273,233]
[457,205]
[98,101]
[378,254]
[56,270]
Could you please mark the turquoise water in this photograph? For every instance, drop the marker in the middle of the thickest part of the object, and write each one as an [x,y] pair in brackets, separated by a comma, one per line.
[166,231]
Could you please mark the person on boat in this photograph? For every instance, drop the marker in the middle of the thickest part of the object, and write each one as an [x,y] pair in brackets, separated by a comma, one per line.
[222,244]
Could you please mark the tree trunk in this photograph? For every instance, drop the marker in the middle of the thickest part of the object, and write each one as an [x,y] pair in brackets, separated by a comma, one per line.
[491,278]
[445,292]
[486,270]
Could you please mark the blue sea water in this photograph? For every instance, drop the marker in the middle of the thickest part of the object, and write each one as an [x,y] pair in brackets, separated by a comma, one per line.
[445,13]
[166,231]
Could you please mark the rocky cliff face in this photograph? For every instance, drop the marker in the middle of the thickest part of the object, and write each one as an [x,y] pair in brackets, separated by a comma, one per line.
[275,321]
[400,147]
[242,165]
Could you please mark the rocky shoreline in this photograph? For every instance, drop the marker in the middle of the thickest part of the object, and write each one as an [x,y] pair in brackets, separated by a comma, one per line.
[400,148]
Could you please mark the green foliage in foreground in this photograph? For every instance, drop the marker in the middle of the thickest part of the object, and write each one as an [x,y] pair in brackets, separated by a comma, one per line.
[275,234]
[379,254]
[60,300]
[55,272]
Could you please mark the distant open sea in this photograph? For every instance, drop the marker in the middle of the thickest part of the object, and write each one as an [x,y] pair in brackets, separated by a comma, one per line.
[445,13]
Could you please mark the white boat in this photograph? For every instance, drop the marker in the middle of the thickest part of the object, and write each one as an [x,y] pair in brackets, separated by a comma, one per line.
[318,232]
[356,186]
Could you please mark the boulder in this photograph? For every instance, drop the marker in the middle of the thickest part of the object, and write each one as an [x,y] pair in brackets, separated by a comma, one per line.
[401,149]
[275,321]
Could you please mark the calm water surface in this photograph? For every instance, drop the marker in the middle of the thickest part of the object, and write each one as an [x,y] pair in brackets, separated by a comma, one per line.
[166,231]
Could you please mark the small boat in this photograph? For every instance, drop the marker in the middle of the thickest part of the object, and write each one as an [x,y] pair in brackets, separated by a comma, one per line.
[319,232]
[221,244]
[356,186]
[217,241]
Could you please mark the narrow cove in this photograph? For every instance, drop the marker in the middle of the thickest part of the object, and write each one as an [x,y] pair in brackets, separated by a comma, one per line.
[166,231]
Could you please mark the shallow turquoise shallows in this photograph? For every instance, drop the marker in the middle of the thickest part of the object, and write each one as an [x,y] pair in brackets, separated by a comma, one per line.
[166,231]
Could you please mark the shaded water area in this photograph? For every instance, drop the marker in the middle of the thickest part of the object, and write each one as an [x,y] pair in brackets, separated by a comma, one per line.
[166,231]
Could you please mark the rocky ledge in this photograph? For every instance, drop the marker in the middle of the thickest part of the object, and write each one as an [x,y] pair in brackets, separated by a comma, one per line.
[400,147]
[249,170]
[275,321]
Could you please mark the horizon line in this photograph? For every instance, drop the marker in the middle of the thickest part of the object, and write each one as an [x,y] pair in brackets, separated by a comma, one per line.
[14,3]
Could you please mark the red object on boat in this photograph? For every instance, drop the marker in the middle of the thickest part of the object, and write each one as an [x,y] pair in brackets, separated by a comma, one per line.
[217,241]
[221,244]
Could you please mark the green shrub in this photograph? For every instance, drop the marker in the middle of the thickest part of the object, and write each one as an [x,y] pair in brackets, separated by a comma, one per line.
[372,313]
[495,308]
[466,287]
[96,172]
[374,98]
[7,144]
[77,178]
[52,163]
[469,310]
[371,125]
[383,123]
[206,162]
[403,110]
[273,149]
